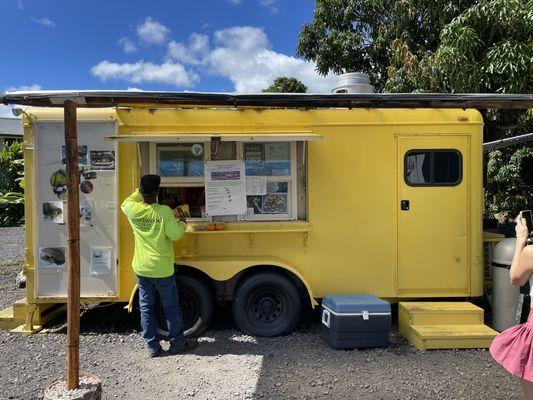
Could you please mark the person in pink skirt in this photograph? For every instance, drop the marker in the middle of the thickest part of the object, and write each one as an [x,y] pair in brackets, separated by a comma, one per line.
[513,348]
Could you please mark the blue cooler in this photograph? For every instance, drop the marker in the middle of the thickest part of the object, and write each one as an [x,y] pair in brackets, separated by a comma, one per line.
[350,321]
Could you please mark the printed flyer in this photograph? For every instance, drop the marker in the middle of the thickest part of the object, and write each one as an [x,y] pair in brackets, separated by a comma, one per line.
[100,260]
[225,188]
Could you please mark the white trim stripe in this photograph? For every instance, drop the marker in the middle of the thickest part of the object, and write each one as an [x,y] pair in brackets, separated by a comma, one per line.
[352,314]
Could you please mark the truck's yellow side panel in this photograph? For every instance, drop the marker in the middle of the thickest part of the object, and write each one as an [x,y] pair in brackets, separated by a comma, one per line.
[349,243]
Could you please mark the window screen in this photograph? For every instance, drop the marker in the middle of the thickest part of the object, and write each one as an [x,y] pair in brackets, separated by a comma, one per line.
[433,167]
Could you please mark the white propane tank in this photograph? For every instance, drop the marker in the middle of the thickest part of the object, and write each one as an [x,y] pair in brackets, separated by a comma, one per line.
[353,82]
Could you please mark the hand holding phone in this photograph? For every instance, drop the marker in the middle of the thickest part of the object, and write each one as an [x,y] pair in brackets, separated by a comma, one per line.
[178,212]
[526,214]
[524,226]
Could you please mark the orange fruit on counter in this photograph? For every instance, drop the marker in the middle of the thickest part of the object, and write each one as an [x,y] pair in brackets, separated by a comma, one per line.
[220,227]
[211,227]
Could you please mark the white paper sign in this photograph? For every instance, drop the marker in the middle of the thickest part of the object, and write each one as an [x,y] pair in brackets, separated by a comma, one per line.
[256,185]
[225,188]
[100,260]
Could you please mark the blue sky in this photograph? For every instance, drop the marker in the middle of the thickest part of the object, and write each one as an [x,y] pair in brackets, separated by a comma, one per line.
[203,45]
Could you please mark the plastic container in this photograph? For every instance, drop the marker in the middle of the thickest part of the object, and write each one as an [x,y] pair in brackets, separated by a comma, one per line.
[355,321]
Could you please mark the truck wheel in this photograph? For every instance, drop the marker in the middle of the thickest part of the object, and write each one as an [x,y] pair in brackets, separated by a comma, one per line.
[267,304]
[196,303]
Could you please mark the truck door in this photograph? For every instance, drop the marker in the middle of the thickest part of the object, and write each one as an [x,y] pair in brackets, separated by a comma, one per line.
[432,214]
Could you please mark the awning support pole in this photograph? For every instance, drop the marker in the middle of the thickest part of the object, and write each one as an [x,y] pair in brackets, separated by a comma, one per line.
[73,246]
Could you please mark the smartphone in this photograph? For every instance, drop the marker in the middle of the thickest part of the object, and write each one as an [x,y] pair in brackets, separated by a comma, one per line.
[526,214]
[180,212]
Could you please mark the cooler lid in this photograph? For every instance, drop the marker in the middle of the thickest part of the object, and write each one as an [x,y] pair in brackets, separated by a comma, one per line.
[356,303]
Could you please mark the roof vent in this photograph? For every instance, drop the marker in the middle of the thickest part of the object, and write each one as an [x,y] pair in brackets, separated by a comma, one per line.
[353,82]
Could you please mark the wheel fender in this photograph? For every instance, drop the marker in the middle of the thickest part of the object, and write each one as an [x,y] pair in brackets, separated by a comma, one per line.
[314,303]
[209,267]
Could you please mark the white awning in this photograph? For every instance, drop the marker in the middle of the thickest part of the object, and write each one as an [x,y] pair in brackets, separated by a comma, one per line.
[223,137]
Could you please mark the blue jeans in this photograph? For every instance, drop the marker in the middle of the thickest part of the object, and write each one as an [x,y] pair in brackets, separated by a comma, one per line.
[168,296]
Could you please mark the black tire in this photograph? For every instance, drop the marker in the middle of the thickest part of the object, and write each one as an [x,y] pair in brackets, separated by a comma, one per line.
[267,304]
[196,303]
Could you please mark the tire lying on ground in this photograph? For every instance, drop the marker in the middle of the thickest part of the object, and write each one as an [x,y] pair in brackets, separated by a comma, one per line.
[267,304]
[196,303]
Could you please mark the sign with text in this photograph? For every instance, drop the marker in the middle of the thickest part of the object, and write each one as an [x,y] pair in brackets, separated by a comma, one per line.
[225,188]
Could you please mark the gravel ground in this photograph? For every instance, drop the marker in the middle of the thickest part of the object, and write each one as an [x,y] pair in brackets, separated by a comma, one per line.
[229,365]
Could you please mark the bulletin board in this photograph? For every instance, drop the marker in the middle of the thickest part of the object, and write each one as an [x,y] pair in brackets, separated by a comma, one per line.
[98,161]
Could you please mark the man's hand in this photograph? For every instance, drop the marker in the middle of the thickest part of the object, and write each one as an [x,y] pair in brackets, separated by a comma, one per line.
[179,214]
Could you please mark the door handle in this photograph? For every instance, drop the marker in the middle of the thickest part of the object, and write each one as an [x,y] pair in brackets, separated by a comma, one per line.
[404,205]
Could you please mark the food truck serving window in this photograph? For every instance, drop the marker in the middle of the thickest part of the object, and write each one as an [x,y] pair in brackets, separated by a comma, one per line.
[270,170]
[433,167]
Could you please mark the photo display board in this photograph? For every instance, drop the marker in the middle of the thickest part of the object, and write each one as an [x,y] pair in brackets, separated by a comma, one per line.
[98,209]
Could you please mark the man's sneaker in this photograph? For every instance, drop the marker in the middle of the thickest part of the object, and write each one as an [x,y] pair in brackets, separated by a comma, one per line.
[189,344]
[156,353]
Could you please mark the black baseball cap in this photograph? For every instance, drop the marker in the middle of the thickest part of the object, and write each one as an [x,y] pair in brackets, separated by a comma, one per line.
[149,184]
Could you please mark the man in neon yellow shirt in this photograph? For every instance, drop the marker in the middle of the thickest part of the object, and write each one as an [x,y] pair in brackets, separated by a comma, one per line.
[155,228]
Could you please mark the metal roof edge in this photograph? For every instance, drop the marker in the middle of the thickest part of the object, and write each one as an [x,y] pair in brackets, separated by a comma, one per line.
[111,98]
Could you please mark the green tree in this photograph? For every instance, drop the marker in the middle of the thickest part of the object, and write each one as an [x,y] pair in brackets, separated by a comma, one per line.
[11,185]
[358,35]
[284,84]
[488,48]
[509,182]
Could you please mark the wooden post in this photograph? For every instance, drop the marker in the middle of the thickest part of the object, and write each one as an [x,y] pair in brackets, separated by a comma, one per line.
[73,246]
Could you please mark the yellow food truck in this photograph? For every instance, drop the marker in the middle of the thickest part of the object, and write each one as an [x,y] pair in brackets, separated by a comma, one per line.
[286,204]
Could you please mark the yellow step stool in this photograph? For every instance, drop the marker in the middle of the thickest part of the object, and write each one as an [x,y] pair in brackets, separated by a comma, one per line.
[444,325]
[17,318]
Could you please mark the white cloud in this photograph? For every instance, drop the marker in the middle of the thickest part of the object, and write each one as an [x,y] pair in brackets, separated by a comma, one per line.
[127,45]
[235,1]
[243,55]
[134,89]
[24,88]
[141,72]
[191,53]
[271,5]
[20,5]
[44,21]
[152,32]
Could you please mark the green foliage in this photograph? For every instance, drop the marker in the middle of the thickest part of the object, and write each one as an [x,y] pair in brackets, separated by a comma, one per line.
[488,48]
[509,186]
[284,84]
[11,185]
[358,35]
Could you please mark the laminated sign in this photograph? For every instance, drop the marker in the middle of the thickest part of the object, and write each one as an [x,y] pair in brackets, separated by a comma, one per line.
[225,188]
